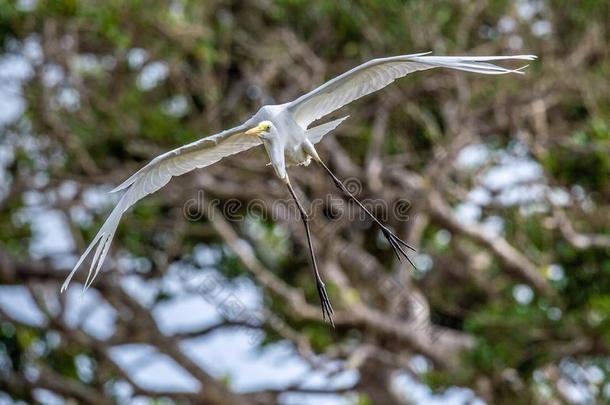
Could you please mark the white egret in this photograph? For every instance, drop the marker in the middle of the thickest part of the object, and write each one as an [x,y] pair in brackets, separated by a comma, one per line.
[284,131]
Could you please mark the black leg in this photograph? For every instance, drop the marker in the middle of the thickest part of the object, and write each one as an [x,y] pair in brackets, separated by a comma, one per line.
[395,242]
[327,309]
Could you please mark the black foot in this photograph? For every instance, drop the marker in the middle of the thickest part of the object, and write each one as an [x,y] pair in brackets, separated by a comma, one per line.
[397,245]
[327,309]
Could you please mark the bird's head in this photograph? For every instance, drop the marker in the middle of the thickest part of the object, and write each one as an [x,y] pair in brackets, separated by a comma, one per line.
[263,128]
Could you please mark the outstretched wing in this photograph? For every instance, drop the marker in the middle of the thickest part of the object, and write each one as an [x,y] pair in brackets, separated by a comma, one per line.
[157,174]
[378,73]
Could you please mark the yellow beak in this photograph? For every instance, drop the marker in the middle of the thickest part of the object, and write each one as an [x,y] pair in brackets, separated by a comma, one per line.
[254,131]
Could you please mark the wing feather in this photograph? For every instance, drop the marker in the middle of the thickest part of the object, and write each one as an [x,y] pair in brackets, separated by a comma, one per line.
[378,73]
[316,134]
[156,175]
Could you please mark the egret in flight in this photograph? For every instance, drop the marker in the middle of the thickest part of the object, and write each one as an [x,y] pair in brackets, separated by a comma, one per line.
[284,130]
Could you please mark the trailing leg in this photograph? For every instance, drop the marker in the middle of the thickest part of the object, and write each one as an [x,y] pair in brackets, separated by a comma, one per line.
[327,309]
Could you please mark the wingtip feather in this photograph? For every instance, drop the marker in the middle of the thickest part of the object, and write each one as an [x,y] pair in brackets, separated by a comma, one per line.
[82,258]
[525,57]
[521,70]
[102,240]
